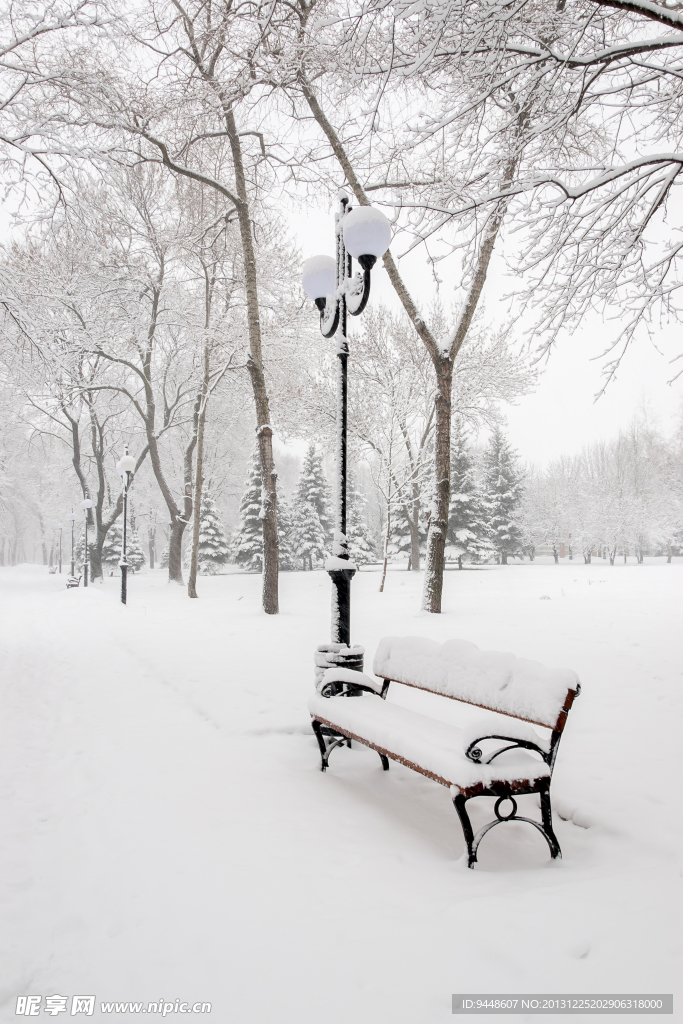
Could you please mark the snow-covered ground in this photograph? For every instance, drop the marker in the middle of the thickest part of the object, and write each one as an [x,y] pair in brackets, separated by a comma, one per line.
[167,833]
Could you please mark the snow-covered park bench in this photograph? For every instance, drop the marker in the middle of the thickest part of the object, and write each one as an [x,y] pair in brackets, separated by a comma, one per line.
[495,758]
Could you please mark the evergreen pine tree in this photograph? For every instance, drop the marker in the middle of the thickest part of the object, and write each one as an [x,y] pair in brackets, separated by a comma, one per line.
[399,534]
[314,490]
[79,548]
[163,561]
[502,496]
[285,527]
[466,537]
[213,551]
[361,547]
[135,556]
[248,540]
[111,550]
[308,535]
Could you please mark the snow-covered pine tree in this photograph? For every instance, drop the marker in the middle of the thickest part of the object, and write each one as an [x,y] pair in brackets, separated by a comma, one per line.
[308,535]
[466,539]
[79,548]
[111,550]
[314,490]
[285,527]
[361,547]
[247,545]
[502,496]
[163,561]
[214,550]
[135,556]
[399,536]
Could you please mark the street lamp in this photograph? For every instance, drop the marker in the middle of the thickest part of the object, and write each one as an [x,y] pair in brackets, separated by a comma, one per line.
[60,548]
[362,233]
[124,468]
[73,518]
[86,505]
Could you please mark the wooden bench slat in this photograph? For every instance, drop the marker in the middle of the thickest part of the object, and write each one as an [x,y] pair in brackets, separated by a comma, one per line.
[429,746]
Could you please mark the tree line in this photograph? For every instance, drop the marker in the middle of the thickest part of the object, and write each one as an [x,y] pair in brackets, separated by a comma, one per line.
[147,155]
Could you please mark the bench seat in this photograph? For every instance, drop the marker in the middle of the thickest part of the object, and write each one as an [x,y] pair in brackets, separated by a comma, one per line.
[431,747]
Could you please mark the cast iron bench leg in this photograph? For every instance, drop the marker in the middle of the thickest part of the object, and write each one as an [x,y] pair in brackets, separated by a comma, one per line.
[321,743]
[546,815]
[459,802]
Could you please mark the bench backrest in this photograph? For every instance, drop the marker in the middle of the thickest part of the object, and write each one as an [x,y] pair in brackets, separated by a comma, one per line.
[494,680]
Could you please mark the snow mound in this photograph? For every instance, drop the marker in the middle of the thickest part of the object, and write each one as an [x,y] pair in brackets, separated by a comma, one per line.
[493,679]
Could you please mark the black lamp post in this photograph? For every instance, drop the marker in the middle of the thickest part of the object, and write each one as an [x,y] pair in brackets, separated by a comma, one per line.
[60,548]
[86,505]
[124,468]
[362,233]
[72,517]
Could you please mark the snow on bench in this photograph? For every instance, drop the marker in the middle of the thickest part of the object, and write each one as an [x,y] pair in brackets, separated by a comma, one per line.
[470,761]
[493,679]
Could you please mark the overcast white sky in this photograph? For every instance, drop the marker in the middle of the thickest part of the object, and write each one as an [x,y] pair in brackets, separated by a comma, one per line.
[562,414]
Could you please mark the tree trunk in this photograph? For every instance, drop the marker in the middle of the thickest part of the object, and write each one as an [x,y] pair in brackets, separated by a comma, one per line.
[199,476]
[175,542]
[151,538]
[668,552]
[386,550]
[438,519]
[271,554]
[96,553]
[459,561]
[414,545]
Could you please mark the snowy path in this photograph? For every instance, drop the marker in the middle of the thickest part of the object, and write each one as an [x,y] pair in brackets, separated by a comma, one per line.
[166,832]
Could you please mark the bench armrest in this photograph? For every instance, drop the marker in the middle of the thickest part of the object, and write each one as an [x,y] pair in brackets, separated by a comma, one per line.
[336,681]
[351,690]
[475,753]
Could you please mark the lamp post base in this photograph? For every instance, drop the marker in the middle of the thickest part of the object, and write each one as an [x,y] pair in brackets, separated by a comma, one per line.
[337,656]
[124,583]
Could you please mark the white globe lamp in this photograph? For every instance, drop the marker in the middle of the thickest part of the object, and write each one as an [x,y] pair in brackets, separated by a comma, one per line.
[367,235]
[319,279]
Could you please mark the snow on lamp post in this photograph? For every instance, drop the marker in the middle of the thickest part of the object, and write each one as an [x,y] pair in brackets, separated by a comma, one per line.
[72,517]
[124,468]
[61,527]
[86,505]
[362,233]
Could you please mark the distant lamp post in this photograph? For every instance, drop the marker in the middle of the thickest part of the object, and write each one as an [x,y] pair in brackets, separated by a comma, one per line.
[362,233]
[124,468]
[73,518]
[86,505]
[61,527]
